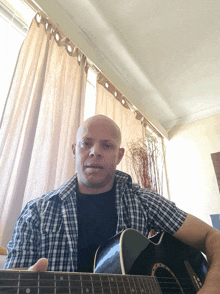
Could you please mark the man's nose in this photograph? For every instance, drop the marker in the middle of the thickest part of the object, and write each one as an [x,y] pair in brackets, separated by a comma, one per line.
[95,150]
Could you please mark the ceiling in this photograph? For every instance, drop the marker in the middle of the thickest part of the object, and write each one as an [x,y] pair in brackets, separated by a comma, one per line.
[163,55]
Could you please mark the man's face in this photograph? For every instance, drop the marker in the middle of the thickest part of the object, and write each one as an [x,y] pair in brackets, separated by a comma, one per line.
[97,154]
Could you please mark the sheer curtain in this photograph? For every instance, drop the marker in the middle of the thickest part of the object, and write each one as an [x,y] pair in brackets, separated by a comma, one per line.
[112,104]
[43,111]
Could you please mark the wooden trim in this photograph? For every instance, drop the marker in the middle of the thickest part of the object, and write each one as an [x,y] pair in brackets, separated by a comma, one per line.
[3,250]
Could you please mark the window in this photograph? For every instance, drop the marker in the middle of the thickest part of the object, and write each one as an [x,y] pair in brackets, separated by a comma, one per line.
[90,96]
[13,30]
[15,19]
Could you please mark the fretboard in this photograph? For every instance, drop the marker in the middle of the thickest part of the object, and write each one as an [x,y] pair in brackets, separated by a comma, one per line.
[74,283]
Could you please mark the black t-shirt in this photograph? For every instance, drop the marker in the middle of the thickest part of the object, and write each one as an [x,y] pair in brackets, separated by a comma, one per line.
[97,220]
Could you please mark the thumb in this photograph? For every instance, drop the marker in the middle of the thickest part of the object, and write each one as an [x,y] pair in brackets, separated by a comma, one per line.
[40,266]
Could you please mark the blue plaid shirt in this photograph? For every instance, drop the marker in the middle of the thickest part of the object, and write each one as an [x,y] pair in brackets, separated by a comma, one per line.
[47,227]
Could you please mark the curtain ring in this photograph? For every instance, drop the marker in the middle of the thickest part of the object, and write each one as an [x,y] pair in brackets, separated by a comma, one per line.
[69,48]
[57,37]
[38,18]
[79,58]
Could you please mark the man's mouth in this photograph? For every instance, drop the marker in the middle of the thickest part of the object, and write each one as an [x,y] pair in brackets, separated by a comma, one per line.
[94,166]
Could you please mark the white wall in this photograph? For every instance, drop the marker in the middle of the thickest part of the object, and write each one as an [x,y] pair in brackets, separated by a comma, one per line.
[192,181]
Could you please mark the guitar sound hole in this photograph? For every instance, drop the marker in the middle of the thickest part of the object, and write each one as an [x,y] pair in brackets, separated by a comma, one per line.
[168,283]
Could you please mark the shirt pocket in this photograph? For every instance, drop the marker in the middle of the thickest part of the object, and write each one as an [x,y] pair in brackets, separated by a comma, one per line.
[51,218]
[49,228]
[52,236]
[52,224]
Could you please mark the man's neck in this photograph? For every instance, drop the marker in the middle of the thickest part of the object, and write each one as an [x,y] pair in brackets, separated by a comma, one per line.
[94,189]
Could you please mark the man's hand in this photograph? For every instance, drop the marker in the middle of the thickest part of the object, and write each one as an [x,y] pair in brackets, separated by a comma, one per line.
[40,266]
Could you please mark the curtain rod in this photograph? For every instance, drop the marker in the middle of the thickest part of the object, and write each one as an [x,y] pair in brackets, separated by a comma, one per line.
[91,64]
[32,4]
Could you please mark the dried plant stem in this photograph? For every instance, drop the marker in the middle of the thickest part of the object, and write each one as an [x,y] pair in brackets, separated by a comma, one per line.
[144,159]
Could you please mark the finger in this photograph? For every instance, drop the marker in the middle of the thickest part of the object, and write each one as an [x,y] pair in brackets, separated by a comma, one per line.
[40,266]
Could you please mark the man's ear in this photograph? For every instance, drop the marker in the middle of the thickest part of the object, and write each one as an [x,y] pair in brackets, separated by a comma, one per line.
[74,149]
[120,155]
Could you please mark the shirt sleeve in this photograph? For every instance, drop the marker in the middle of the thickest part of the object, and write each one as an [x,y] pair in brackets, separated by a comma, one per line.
[163,214]
[23,247]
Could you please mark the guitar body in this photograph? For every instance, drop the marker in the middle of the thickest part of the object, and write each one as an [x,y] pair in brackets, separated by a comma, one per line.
[179,268]
[129,264]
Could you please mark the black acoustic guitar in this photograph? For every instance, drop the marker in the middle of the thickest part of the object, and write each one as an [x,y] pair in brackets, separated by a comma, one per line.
[130,263]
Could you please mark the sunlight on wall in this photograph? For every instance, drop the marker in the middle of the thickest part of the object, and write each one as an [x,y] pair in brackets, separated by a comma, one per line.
[192,180]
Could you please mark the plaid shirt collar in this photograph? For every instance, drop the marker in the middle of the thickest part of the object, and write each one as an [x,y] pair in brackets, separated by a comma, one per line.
[64,190]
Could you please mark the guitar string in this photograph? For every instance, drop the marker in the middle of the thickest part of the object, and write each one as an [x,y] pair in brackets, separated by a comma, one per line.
[127,286]
[123,277]
[166,284]
[80,287]
[76,274]
[116,280]
[142,277]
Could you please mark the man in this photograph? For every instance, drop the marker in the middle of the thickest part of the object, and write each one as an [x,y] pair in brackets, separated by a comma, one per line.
[66,226]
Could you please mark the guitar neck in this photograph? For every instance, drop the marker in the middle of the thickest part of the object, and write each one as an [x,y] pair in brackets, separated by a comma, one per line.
[58,282]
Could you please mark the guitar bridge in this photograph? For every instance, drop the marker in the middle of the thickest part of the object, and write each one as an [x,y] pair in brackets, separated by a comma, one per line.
[193,276]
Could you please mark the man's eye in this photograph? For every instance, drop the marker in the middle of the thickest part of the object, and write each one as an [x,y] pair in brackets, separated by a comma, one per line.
[107,146]
[85,143]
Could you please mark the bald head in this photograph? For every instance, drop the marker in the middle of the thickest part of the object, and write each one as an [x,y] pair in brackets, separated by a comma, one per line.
[100,122]
[97,153]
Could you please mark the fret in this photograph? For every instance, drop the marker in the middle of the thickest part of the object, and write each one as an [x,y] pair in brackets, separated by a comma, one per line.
[153,283]
[148,286]
[87,287]
[97,284]
[139,285]
[126,283]
[81,291]
[47,283]
[110,286]
[55,286]
[18,283]
[38,283]
[41,283]
[120,284]
[62,283]
[113,285]
[69,283]
[133,285]
[105,284]
[75,284]
[156,286]
[92,283]
[28,282]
